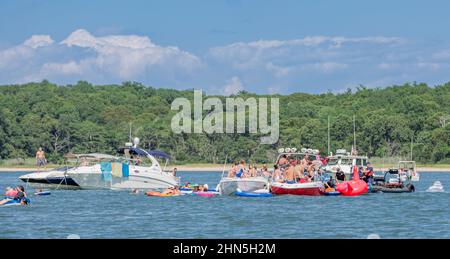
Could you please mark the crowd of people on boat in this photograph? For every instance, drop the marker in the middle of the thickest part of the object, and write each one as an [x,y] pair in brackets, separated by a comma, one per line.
[292,170]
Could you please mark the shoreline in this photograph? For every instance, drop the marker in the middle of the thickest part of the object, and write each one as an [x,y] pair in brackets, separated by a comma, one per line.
[187,168]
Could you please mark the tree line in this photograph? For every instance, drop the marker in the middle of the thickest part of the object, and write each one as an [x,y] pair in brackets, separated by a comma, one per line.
[83,118]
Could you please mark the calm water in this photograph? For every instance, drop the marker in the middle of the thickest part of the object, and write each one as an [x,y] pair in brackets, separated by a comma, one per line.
[114,214]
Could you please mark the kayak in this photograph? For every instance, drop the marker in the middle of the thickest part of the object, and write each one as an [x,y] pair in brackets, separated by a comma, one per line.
[254,194]
[159,194]
[43,193]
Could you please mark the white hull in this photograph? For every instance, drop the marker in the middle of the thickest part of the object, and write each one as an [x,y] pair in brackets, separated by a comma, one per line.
[143,178]
[229,186]
[55,179]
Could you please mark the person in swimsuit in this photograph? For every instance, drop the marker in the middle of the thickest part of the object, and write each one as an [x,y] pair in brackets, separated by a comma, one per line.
[21,196]
[40,158]
[290,172]
[277,177]
[233,170]
[265,171]
[241,169]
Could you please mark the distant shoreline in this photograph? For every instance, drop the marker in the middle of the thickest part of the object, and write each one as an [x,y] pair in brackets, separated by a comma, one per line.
[214,168]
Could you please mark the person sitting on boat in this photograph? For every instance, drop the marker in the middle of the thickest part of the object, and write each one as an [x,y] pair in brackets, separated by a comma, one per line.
[283,162]
[241,169]
[325,160]
[305,161]
[205,187]
[265,171]
[252,171]
[233,170]
[298,171]
[174,172]
[277,176]
[20,196]
[340,176]
[311,169]
[368,174]
[330,184]
[360,171]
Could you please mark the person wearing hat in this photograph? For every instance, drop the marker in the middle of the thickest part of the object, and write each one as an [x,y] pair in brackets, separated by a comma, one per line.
[340,176]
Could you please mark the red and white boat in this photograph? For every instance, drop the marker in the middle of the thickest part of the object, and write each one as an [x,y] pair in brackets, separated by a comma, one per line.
[308,188]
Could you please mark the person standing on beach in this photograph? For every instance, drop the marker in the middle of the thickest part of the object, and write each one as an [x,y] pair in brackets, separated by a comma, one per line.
[40,158]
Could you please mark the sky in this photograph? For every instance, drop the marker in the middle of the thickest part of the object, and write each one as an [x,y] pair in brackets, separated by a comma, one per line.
[225,46]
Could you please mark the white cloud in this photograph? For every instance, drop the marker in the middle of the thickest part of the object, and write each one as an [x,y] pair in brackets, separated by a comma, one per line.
[83,56]
[233,86]
[279,71]
[37,41]
[327,67]
[128,56]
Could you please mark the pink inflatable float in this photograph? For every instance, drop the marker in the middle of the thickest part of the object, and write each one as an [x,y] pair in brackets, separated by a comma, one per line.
[354,187]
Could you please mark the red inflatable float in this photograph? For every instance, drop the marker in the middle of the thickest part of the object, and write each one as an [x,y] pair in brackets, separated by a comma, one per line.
[354,187]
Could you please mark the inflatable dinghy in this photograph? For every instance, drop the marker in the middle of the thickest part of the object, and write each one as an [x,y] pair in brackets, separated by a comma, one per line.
[15,203]
[254,194]
[206,194]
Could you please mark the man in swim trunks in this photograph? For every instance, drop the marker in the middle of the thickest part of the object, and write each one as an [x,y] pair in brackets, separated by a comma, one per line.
[40,158]
[290,172]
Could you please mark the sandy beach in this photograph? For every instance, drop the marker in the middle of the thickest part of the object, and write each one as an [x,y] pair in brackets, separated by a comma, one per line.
[217,168]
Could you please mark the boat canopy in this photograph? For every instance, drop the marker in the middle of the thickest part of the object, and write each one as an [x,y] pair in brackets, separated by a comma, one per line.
[159,153]
[96,156]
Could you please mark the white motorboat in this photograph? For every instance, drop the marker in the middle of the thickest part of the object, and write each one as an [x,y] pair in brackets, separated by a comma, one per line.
[137,169]
[409,167]
[345,161]
[436,187]
[230,185]
[58,178]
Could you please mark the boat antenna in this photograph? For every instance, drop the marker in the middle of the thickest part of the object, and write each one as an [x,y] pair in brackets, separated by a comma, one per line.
[354,131]
[224,164]
[329,144]
[130,131]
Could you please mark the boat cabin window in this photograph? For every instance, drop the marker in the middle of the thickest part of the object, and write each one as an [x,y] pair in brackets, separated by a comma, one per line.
[346,161]
[360,162]
[364,162]
[333,161]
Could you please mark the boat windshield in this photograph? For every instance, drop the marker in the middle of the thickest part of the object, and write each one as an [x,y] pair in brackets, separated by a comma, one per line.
[333,161]
[139,160]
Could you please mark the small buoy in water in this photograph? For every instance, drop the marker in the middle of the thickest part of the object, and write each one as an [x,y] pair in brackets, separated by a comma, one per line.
[436,187]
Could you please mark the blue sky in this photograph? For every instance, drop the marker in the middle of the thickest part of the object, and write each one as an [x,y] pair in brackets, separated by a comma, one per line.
[224,46]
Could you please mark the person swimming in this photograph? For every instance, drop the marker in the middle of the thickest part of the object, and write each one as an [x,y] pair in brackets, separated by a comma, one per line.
[20,196]
[171,191]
